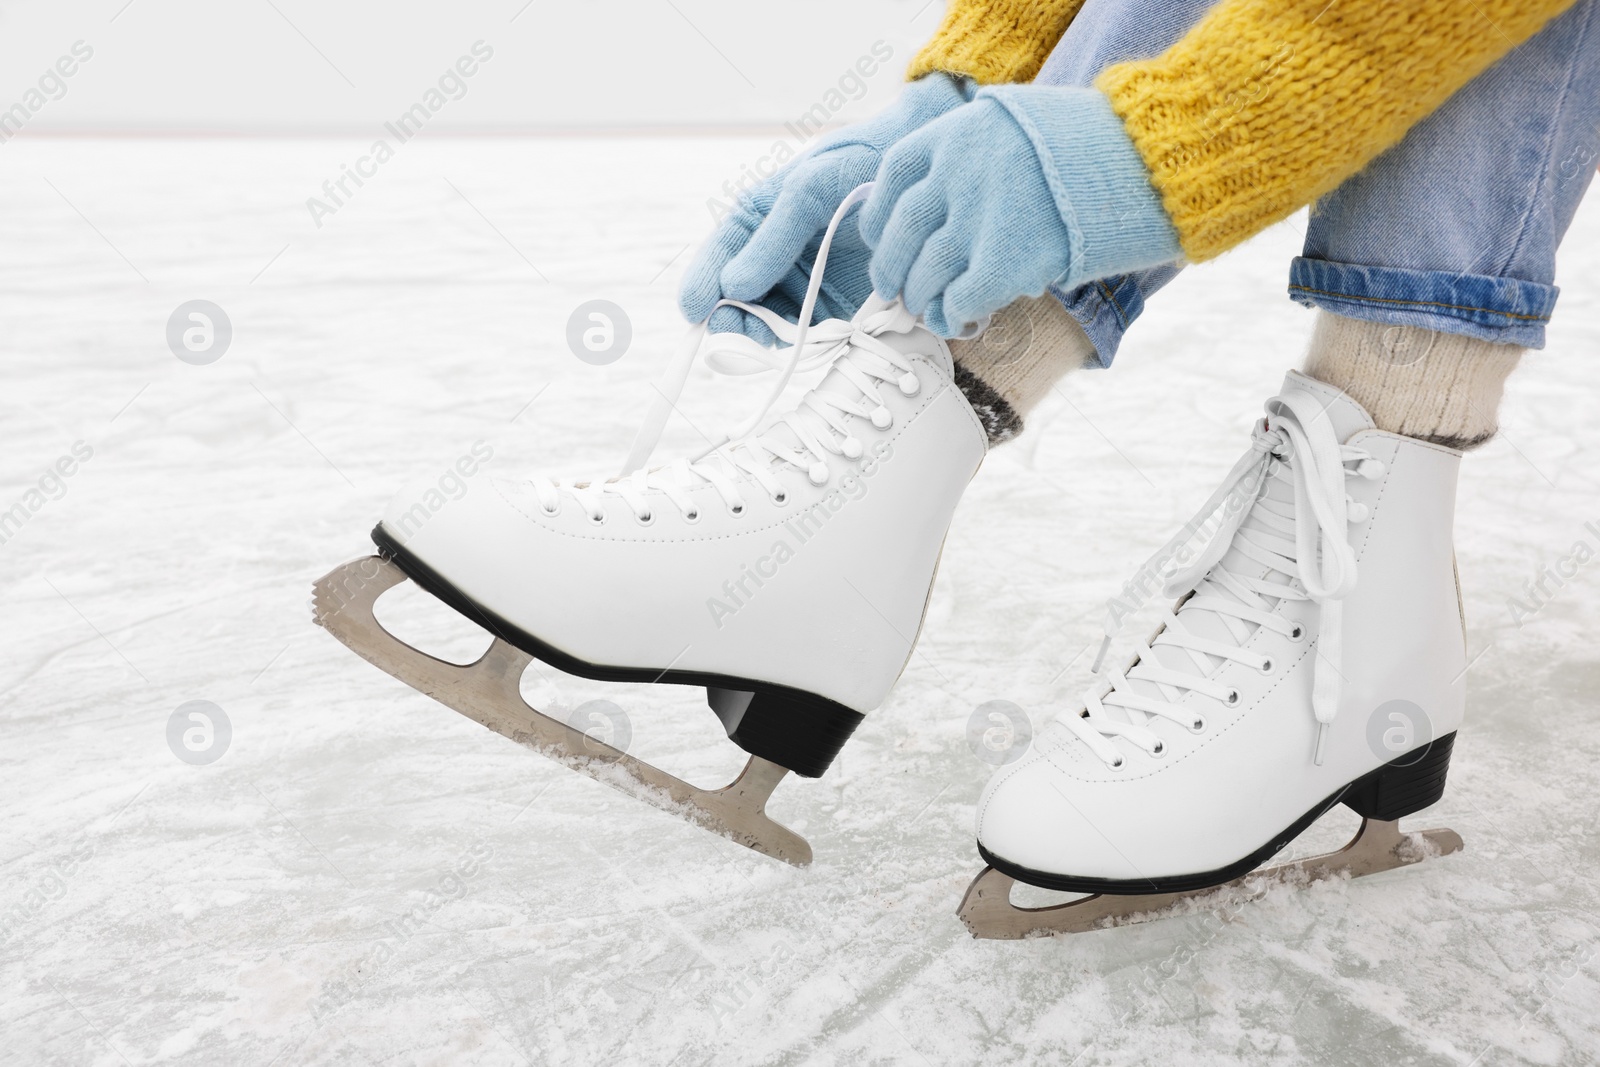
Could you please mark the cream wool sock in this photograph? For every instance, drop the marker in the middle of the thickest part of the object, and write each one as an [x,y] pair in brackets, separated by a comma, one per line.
[1440,387]
[1005,371]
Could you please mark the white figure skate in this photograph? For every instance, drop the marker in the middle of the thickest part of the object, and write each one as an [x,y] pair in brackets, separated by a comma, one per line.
[1279,687]
[786,570]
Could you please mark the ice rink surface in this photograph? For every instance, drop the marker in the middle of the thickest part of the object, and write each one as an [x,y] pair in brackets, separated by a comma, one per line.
[366,877]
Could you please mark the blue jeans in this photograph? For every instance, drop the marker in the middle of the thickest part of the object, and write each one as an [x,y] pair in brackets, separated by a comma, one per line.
[1454,229]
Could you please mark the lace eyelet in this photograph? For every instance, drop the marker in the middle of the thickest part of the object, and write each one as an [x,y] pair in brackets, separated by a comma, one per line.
[1268,667]
[691,516]
[736,509]
[781,497]
[1118,763]
[647,519]
[818,473]
[910,384]
[851,448]
[551,512]
[1199,725]
[1232,699]
[597,519]
[1159,750]
[1298,633]
[881,417]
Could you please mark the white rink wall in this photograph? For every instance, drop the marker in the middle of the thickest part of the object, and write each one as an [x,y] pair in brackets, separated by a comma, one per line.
[297,66]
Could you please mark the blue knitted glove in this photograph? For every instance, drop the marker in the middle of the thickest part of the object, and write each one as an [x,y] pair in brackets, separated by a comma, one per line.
[1024,187]
[763,250]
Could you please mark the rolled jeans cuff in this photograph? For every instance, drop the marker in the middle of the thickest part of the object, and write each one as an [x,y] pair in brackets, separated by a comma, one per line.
[1106,307]
[1508,311]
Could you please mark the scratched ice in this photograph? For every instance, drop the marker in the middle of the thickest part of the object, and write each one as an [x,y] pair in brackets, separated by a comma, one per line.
[365,876]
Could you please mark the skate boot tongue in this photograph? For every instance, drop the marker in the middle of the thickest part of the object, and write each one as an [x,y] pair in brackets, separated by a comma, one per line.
[891,326]
[1346,416]
[869,361]
[1277,499]
[867,358]
[1277,531]
[890,322]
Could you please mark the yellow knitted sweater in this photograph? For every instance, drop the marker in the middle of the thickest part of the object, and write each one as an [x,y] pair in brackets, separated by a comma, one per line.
[1264,105]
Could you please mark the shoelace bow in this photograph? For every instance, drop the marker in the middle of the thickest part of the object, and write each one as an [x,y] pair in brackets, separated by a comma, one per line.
[816,428]
[1305,543]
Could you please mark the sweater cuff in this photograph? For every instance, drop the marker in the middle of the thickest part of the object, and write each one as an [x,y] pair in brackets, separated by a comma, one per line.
[1266,105]
[995,41]
[1099,181]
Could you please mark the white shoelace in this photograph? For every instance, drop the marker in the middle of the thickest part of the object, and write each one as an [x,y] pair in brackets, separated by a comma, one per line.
[1303,541]
[803,438]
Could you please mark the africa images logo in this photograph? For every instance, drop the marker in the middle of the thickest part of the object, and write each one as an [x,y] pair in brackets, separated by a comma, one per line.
[452,85]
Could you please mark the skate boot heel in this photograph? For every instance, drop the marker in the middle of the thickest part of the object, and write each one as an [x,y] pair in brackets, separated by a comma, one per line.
[790,728]
[1404,785]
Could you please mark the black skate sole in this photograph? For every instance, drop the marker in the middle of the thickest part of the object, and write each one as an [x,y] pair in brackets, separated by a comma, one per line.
[1398,788]
[790,727]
